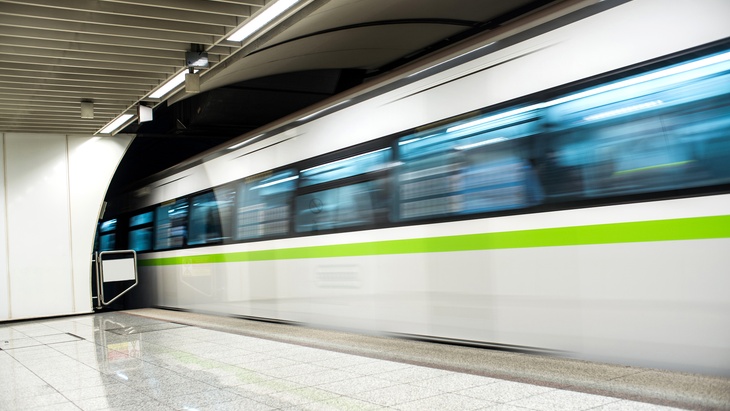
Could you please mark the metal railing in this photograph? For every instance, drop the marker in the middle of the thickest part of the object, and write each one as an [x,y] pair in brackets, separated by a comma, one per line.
[115,267]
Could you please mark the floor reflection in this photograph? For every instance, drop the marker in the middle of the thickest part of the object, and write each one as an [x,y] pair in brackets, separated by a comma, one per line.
[119,361]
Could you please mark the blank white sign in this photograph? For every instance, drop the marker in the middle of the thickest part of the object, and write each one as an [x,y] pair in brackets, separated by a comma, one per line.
[118,270]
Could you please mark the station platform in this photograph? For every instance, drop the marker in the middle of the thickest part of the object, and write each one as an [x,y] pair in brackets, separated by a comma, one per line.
[151,359]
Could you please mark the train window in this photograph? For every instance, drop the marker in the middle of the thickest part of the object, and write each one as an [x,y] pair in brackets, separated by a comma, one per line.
[346,206]
[107,242]
[107,235]
[264,203]
[361,164]
[334,200]
[140,239]
[171,224]
[662,130]
[478,165]
[141,219]
[210,216]
[140,231]
[109,225]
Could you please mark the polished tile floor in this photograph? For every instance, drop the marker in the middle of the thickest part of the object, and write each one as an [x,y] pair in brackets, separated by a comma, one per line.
[123,361]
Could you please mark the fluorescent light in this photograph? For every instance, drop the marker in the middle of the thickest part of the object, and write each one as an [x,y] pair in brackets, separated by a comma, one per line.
[118,122]
[170,84]
[451,59]
[262,19]
[481,143]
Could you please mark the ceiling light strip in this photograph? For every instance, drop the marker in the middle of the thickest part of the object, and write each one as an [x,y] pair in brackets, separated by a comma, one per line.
[116,124]
[266,16]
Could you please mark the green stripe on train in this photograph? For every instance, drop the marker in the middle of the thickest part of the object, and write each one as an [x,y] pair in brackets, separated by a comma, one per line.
[643,231]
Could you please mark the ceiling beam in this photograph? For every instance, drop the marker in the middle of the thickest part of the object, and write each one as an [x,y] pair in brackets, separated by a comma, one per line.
[129,22]
[71,91]
[120,72]
[54,84]
[18,55]
[236,8]
[109,30]
[142,10]
[43,111]
[73,78]
[113,51]
[44,34]
[53,101]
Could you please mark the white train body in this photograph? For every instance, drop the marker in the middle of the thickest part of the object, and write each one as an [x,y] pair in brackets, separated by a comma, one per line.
[634,282]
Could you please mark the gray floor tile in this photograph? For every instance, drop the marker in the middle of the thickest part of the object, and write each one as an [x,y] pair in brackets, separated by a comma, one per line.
[35,330]
[323,377]
[10,333]
[200,399]
[412,374]
[270,363]
[456,382]
[98,391]
[229,377]
[375,367]
[306,354]
[10,392]
[504,407]
[18,377]
[250,357]
[133,399]
[62,406]
[336,404]
[397,394]
[626,405]
[145,364]
[293,370]
[561,400]
[165,391]
[356,385]
[297,397]
[22,342]
[36,351]
[243,404]
[147,406]
[345,361]
[445,402]
[504,391]
[56,338]
[265,387]
[72,382]
[42,400]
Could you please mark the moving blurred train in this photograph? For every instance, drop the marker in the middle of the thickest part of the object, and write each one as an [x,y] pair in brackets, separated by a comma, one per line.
[560,185]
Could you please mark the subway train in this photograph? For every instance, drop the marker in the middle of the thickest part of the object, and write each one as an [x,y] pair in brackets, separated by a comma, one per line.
[560,186]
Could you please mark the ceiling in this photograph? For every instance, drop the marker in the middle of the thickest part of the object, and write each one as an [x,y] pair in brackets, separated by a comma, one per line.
[57,54]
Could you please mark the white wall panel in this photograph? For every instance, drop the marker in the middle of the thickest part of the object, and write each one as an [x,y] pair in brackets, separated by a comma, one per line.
[36,168]
[92,163]
[51,191]
[4,278]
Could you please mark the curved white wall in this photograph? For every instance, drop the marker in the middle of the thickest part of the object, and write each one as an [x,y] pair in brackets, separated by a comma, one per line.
[52,189]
